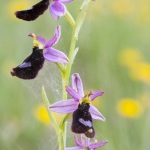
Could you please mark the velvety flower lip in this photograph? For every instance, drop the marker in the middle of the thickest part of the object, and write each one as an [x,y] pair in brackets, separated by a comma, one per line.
[51,54]
[77,94]
[85,143]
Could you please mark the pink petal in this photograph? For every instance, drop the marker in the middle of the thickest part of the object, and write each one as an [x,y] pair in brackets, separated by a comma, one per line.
[77,141]
[73,93]
[54,40]
[96,94]
[96,114]
[64,106]
[98,144]
[53,15]
[85,140]
[41,39]
[77,84]
[57,8]
[54,55]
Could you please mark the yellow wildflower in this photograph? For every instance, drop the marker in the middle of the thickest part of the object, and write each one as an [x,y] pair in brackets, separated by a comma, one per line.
[129,108]
[143,13]
[96,10]
[122,7]
[138,69]
[130,56]
[41,114]
[141,72]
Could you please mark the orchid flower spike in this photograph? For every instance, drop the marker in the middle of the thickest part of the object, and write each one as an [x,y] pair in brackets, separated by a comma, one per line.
[85,143]
[81,107]
[78,97]
[56,8]
[41,50]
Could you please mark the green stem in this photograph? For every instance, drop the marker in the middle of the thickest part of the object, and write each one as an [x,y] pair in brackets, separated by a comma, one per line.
[71,56]
[70,19]
[61,67]
[67,71]
[64,97]
[75,32]
[61,141]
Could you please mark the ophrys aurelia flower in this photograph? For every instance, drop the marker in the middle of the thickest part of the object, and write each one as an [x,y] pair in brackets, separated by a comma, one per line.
[81,107]
[41,50]
[78,96]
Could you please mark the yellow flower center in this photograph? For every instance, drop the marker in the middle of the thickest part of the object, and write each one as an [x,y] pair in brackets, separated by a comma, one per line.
[86,98]
[36,43]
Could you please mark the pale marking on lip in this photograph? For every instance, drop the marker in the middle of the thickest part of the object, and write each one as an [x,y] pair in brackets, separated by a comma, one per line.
[86,123]
[25,65]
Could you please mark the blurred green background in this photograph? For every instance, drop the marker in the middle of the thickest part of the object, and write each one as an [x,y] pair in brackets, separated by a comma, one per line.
[114,56]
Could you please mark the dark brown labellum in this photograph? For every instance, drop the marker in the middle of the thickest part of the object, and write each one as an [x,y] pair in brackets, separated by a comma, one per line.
[34,12]
[30,66]
[82,121]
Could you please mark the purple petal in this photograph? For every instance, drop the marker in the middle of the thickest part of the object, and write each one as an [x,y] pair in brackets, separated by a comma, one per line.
[77,141]
[96,114]
[54,40]
[58,9]
[85,140]
[98,144]
[77,84]
[64,106]
[74,148]
[54,55]
[53,15]
[65,1]
[96,94]
[73,93]
[41,39]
